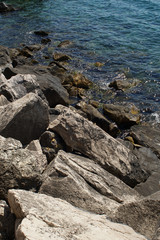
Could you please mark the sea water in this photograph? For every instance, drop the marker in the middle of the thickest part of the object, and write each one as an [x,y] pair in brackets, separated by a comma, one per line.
[124,35]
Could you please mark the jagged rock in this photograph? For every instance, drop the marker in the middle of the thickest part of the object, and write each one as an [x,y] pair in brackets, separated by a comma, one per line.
[19,168]
[64,43]
[86,185]
[60,57]
[142,215]
[44,217]
[144,136]
[19,85]
[84,136]
[122,83]
[3,100]
[7,222]
[35,146]
[51,143]
[41,33]
[122,115]
[96,117]
[50,85]
[6,7]
[24,119]
[4,58]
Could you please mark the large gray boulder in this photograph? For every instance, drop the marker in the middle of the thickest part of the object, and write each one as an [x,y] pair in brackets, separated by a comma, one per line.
[19,168]
[84,136]
[50,85]
[19,85]
[24,119]
[44,217]
[83,183]
[143,215]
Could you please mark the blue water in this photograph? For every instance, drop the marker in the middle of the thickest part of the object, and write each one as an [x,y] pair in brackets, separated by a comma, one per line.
[123,34]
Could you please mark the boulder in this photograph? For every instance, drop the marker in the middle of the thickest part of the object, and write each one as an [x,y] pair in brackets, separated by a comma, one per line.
[19,85]
[19,167]
[60,57]
[45,40]
[120,82]
[85,137]
[96,117]
[24,119]
[7,222]
[125,116]
[84,184]
[4,58]
[44,217]
[142,215]
[80,81]
[6,7]
[50,85]
[144,135]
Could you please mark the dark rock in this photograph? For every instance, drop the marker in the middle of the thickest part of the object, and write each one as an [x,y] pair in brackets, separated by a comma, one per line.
[6,7]
[85,137]
[19,168]
[122,115]
[96,117]
[41,33]
[4,57]
[65,43]
[45,40]
[83,183]
[50,85]
[24,119]
[142,215]
[25,52]
[51,143]
[80,81]
[7,222]
[8,73]
[61,57]
[147,136]
[122,83]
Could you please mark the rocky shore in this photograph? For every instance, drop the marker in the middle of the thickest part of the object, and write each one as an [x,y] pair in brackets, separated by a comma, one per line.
[70,171]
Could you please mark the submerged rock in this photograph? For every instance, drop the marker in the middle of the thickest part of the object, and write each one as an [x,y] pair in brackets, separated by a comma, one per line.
[6,7]
[64,43]
[60,57]
[41,33]
[44,217]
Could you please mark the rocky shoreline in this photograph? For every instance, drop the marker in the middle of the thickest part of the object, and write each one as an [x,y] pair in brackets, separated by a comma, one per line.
[70,171]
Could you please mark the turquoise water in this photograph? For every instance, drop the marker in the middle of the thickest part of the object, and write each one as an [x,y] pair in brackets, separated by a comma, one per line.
[123,34]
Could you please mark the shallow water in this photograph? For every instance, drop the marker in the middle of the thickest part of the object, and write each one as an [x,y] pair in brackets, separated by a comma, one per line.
[122,34]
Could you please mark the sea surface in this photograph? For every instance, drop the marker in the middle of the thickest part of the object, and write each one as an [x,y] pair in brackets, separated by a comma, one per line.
[124,35]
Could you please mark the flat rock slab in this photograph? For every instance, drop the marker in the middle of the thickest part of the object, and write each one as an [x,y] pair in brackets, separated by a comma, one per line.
[84,136]
[24,119]
[44,217]
[83,183]
[19,167]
